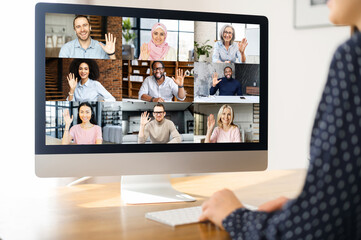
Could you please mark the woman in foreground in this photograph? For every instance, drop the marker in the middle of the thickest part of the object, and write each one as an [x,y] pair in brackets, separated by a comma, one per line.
[329,206]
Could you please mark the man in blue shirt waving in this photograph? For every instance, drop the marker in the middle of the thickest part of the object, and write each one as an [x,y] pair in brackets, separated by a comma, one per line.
[227,85]
[84,46]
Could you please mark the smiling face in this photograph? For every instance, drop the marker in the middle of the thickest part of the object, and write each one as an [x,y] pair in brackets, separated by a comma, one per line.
[82,28]
[158,70]
[158,113]
[345,12]
[85,114]
[158,36]
[84,71]
[228,73]
[228,34]
[226,117]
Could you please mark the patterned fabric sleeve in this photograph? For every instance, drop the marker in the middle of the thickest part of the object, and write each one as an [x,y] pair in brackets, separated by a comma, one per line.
[329,206]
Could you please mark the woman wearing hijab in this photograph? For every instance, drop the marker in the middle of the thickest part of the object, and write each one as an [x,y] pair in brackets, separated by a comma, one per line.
[158,48]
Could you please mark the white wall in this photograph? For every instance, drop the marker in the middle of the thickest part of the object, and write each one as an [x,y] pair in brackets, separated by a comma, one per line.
[298,65]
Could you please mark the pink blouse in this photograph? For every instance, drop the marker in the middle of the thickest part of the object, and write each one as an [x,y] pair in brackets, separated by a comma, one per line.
[86,136]
[219,135]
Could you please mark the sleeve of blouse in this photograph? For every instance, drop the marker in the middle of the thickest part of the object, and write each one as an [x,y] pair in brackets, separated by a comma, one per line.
[237,135]
[99,134]
[214,135]
[104,93]
[171,55]
[329,205]
[215,56]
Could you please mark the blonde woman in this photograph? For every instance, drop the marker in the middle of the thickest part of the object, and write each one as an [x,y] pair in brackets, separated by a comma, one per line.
[226,131]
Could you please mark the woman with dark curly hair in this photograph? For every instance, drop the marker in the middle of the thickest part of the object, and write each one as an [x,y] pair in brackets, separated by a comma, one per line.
[87,89]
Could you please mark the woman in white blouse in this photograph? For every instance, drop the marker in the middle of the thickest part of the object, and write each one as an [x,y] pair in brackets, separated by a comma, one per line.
[86,88]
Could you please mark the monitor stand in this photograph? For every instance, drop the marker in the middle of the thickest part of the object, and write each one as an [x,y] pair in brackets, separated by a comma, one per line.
[143,189]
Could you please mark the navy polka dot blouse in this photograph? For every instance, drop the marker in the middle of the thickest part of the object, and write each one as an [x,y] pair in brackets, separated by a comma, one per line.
[329,206]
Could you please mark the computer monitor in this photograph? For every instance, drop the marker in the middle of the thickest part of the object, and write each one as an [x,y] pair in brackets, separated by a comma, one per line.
[130,91]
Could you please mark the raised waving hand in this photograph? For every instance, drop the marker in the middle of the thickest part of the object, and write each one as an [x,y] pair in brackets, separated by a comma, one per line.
[73,81]
[179,77]
[215,80]
[144,52]
[242,45]
[144,118]
[109,46]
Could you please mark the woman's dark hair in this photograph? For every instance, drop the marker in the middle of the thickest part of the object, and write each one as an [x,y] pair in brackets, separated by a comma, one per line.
[92,118]
[93,68]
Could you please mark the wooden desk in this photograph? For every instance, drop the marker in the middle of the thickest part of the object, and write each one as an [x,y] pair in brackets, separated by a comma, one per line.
[94,211]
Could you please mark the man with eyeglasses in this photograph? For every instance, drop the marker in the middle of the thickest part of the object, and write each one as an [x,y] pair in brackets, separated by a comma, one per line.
[227,85]
[160,130]
[160,88]
[86,47]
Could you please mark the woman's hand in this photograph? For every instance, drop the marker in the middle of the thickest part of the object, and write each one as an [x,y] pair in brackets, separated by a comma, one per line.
[219,206]
[67,119]
[179,77]
[72,82]
[144,119]
[210,122]
[109,47]
[215,80]
[144,52]
[273,205]
[242,45]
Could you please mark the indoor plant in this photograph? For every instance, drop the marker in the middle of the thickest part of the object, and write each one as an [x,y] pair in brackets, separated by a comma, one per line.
[202,50]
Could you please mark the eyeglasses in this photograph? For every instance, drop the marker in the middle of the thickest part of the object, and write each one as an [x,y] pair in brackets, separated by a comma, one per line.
[229,33]
[158,69]
[158,113]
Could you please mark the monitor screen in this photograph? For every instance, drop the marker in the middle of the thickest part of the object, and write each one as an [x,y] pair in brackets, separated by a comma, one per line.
[145,91]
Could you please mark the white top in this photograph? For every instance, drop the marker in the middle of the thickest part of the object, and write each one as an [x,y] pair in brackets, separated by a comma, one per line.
[91,91]
[166,90]
[171,55]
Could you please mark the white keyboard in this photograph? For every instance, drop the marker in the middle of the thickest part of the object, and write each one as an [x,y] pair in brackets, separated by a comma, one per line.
[181,216]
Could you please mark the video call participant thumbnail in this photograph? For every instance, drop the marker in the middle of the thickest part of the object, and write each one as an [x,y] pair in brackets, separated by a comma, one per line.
[158,48]
[86,131]
[160,129]
[227,50]
[86,89]
[226,131]
[86,47]
[227,85]
[160,88]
